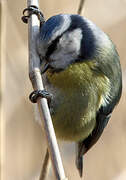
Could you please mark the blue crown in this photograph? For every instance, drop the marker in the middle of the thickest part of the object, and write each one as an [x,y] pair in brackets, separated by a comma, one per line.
[50,26]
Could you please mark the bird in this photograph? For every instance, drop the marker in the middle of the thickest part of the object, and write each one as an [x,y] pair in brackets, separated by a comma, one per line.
[82,74]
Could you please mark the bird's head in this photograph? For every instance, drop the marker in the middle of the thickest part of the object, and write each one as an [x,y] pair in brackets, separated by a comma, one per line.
[65,39]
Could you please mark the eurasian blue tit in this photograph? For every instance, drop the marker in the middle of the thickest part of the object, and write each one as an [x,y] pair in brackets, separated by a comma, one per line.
[81,70]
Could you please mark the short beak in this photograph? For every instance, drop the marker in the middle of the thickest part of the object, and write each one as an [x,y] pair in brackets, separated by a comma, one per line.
[45,68]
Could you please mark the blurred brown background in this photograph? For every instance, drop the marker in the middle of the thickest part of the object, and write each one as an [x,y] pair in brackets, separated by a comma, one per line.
[22,141]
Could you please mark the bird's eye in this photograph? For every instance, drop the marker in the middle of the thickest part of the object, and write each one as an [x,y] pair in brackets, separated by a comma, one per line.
[48,59]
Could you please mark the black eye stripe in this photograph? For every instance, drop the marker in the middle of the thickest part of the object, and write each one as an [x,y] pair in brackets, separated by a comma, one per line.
[52,47]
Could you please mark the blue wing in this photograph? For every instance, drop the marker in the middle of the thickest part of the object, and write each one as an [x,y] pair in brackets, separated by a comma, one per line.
[83,146]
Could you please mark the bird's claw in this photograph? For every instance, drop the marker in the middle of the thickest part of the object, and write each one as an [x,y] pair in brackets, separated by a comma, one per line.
[40,93]
[32,10]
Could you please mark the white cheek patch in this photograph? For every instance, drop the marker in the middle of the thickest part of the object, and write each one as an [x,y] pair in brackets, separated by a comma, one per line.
[68,49]
[71,41]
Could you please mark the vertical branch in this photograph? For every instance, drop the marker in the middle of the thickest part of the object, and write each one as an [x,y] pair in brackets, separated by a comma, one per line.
[45,167]
[3,18]
[80,6]
[36,80]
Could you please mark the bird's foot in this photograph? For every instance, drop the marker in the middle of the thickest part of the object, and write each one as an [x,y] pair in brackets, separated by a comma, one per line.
[40,94]
[32,10]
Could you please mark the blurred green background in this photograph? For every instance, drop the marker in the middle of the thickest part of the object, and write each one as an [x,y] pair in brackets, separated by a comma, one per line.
[22,141]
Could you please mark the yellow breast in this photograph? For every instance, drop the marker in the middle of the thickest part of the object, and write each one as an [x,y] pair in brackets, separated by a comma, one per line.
[82,92]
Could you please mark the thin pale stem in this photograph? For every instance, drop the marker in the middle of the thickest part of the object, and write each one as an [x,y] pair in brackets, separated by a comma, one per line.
[36,80]
[45,167]
[81,5]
